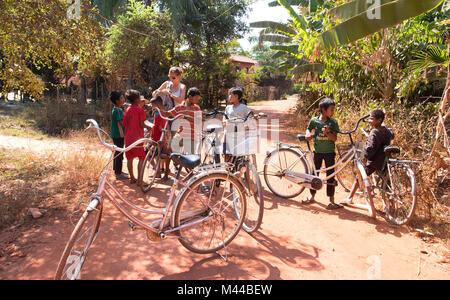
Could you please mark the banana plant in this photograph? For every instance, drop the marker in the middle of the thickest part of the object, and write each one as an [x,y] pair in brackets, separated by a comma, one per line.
[363,18]
[286,38]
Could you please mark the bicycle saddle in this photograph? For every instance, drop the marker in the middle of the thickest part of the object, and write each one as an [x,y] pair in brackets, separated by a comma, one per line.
[187,161]
[389,150]
[301,137]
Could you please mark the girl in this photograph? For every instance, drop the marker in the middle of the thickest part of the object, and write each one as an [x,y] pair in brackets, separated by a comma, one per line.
[234,109]
[325,135]
[173,89]
[133,121]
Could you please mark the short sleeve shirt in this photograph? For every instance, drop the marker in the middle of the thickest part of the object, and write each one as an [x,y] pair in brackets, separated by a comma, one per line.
[156,133]
[192,111]
[240,111]
[322,144]
[116,116]
[132,122]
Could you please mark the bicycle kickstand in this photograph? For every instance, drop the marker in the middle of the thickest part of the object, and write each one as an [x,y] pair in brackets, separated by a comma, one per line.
[225,258]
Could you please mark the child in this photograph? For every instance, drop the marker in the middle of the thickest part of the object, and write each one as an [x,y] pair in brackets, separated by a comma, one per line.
[158,126]
[117,132]
[380,136]
[134,124]
[234,109]
[184,137]
[325,135]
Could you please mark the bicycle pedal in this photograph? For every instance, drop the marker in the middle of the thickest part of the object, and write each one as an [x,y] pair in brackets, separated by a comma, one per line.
[132,226]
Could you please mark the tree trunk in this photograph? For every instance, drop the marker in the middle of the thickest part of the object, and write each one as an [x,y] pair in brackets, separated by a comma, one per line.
[82,95]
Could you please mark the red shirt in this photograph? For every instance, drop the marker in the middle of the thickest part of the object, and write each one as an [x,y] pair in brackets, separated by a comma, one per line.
[156,133]
[132,122]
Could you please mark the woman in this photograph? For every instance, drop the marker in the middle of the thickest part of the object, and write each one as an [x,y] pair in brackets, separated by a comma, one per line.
[174,90]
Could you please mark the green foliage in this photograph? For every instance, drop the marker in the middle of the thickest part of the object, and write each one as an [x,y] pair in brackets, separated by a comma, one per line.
[141,57]
[36,35]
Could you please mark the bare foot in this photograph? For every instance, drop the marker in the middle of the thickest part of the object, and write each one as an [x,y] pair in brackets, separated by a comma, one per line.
[133,180]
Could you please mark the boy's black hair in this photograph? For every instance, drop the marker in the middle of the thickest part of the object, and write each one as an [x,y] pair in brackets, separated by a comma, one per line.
[115,96]
[237,91]
[157,99]
[132,96]
[325,103]
[193,91]
[377,114]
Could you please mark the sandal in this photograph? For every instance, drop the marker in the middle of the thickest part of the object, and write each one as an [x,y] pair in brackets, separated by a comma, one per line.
[332,206]
[308,201]
[346,201]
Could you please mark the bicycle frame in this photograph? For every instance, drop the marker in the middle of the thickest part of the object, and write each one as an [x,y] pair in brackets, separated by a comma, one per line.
[301,178]
[108,189]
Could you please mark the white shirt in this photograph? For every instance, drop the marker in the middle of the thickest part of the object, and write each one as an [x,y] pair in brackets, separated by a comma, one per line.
[240,111]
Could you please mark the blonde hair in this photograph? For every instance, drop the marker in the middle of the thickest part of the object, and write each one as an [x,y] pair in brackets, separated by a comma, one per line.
[176,70]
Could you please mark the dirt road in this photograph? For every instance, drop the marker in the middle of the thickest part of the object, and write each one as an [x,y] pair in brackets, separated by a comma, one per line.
[295,242]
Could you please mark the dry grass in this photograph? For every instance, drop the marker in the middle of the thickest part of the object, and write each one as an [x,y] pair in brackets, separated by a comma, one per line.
[44,180]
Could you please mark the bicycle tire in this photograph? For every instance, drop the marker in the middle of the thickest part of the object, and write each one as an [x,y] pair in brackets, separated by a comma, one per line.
[366,188]
[396,209]
[276,178]
[346,177]
[149,169]
[72,258]
[191,237]
[255,200]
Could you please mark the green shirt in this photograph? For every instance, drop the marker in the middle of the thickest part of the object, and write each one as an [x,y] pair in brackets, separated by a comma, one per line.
[322,144]
[116,116]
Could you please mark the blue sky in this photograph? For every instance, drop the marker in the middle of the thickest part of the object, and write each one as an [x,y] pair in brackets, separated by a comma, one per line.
[260,11]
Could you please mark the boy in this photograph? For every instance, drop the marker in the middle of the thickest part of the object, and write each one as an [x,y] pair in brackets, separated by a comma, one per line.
[380,136]
[325,129]
[117,132]
[133,121]
[158,126]
[184,137]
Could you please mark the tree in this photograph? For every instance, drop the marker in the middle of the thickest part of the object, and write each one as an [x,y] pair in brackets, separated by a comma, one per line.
[35,36]
[138,45]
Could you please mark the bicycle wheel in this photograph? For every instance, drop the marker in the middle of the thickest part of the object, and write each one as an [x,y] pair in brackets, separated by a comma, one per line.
[81,239]
[366,188]
[399,194]
[346,177]
[150,169]
[255,201]
[275,167]
[206,212]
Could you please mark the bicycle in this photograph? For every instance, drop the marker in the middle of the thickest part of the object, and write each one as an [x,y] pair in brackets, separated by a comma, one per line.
[243,162]
[288,170]
[396,183]
[202,216]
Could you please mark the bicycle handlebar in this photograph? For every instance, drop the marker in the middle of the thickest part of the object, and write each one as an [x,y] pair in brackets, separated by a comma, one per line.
[356,127]
[94,123]
[234,120]
[171,119]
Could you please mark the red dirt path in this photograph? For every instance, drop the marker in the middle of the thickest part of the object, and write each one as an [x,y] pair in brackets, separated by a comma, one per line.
[294,242]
